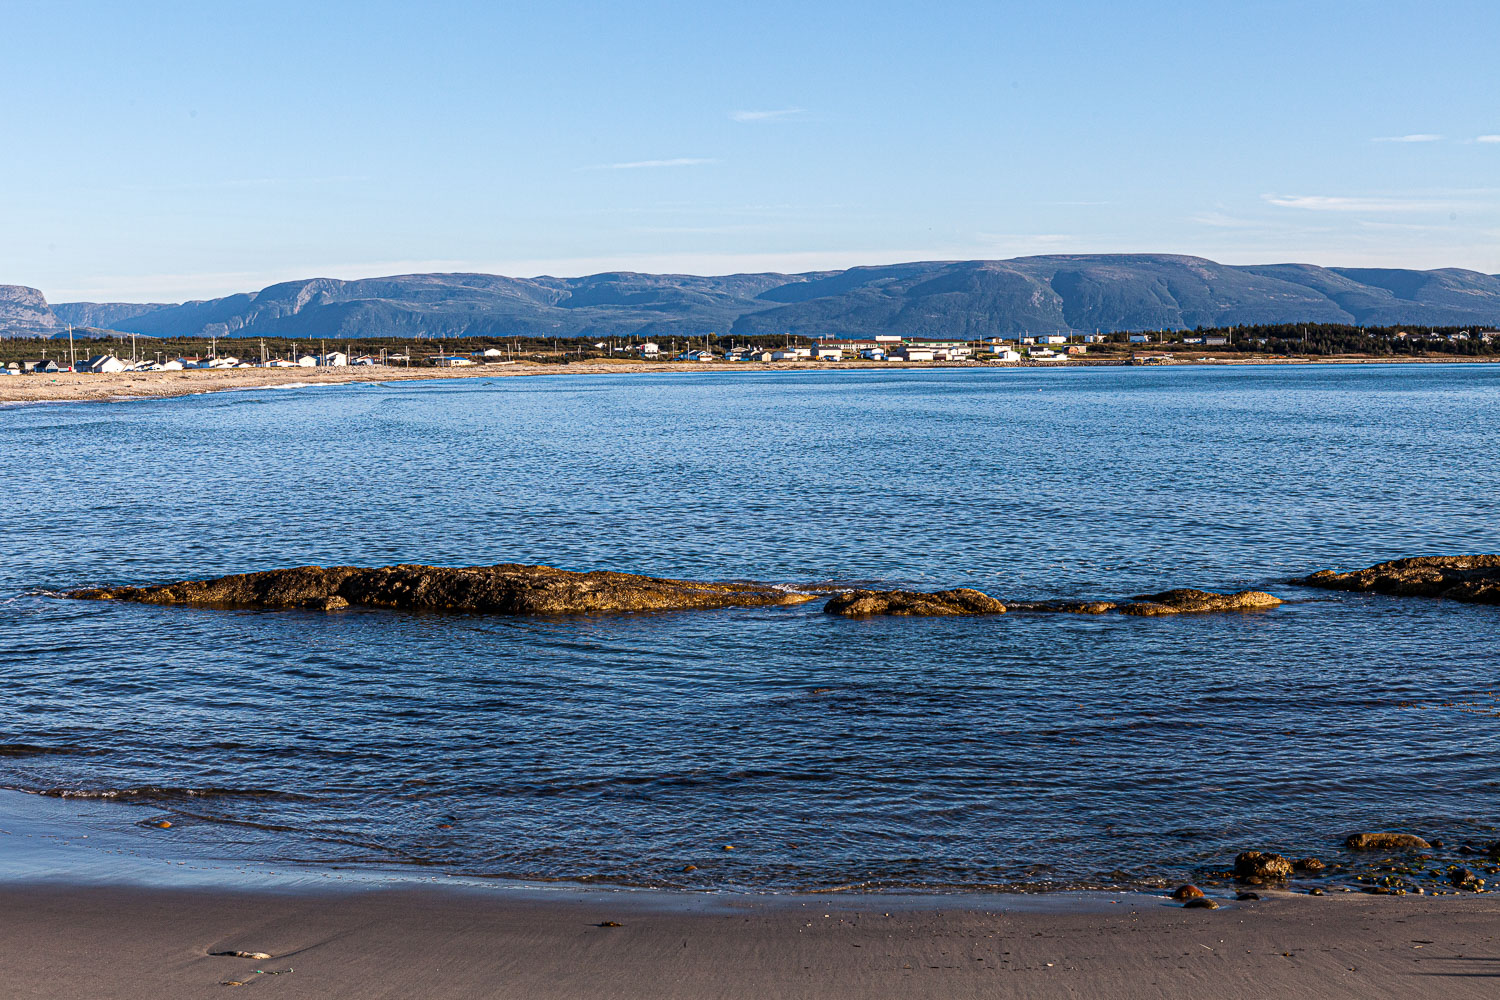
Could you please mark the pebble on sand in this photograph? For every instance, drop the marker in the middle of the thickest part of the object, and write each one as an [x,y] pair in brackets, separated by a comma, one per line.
[1187,892]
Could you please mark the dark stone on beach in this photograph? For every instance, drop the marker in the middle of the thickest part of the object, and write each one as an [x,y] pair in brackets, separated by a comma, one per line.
[1473,579]
[1463,878]
[1200,903]
[1187,892]
[1386,842]
[1261,865]
[1316,892]
[508,588]
[1494,851]
[1246,897]
[910,602]
[1177,602]
[609,923]
[1308,865]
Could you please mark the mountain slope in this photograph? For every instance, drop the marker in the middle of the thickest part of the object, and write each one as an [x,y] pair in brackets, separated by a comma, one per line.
[947,298]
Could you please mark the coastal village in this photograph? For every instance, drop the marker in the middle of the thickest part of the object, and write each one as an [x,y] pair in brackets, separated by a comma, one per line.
[101,356]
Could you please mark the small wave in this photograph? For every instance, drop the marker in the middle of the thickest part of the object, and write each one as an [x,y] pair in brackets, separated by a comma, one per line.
[167,793]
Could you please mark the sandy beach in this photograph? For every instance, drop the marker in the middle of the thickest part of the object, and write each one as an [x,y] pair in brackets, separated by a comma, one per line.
[154,385]
[60,941]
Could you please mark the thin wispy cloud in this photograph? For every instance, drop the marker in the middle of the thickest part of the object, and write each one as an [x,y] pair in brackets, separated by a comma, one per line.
[1336,203]
[1487,138]
[680,161]
[1414,137]
[778,115]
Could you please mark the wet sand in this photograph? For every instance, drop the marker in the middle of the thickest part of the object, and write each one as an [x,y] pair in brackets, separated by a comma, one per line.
[153,385]
[59,941]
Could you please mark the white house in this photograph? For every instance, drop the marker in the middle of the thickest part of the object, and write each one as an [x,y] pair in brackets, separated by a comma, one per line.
[1095,338]
[1052,338]
[696,356]
[914,354]
[873,354]
[308,361]
[452,361]
[650,350]
[1140,338]
[335,359]
[494,352]
[828,353]
[104,364]
[1002,353]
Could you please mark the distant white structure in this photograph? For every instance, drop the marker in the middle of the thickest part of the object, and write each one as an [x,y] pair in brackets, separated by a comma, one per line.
[1001,353]
[821,353]
[908,353]
[873,354]
[1052,338]
[1095,338]
[696,356]
[335,359]
[494,352]
[1140,338]
[650,350]
[104,364]
[307,361]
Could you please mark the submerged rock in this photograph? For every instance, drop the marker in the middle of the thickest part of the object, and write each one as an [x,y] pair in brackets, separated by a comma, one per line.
[1065,607]
[1261,865]
[1474,579]
[1176,602]
[910,602]
[508,588]
[1386,842]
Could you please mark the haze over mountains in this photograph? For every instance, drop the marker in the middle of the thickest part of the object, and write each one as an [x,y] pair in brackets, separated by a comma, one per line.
[936,298]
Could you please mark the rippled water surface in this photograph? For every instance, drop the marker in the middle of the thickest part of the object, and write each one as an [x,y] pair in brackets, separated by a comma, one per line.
[1023,749]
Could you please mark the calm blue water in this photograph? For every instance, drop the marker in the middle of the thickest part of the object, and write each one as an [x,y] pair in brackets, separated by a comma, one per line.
[929,753]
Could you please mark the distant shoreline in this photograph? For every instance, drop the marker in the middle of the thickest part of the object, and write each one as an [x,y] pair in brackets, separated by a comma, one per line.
[128,386]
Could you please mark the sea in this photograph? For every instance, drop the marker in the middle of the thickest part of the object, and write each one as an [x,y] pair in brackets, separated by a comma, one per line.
[769,749]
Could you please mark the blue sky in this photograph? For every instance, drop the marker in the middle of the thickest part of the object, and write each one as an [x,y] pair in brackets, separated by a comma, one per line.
[162,151]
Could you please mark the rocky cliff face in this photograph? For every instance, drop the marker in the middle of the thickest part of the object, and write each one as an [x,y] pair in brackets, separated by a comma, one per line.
[24,310]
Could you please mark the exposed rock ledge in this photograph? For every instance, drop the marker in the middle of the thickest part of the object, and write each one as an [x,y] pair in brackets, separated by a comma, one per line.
[507,589]
[1474,579]
[911,602]
[974,602]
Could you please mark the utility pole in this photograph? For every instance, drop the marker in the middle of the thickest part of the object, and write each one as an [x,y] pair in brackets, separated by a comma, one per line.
[70,345]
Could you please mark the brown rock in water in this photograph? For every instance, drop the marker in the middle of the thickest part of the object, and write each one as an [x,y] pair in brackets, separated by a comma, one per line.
[910,602]
[1187,892]
[505,589]
[1386,842]
[1200,903]
[1308,865]
[1262,865]
[1474,579]
[1176,602]
[1064,607]
[1463,878]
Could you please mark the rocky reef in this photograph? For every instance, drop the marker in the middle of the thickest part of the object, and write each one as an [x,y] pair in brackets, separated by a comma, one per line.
[1473,579]
[505,589]
[910,602]
[974,602]
[1178,602]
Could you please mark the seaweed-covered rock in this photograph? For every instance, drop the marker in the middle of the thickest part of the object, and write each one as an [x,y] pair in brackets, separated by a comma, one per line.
[509,588]
[1473,579]
[1261,865]
[910,602]
[1064,607]
[1386,842]
[1176,602]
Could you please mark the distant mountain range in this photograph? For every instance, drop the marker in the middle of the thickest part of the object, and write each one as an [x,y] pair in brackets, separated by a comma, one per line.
[941,298]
